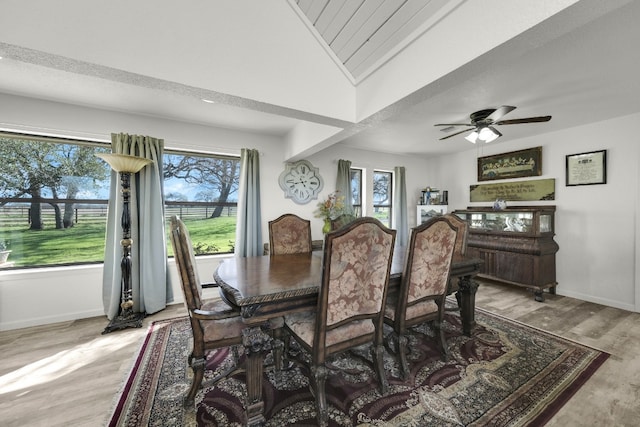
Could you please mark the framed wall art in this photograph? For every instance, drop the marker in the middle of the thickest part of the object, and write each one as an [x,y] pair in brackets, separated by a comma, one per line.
[527,190]
[587,168]
[514,164]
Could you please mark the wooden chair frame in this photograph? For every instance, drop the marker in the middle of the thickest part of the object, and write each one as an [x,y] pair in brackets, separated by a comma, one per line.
[217,310]
[401,303]
[459,252]
[319,350]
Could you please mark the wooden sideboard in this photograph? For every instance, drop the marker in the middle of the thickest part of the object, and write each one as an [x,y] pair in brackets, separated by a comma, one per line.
[516,245]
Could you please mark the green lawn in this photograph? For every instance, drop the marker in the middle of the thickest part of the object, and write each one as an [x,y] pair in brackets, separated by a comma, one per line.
[84,242]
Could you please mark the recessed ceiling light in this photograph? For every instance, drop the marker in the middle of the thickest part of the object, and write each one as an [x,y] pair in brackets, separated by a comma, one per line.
[208,101]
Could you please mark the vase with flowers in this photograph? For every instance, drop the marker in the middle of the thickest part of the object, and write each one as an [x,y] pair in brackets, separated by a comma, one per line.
[331,208]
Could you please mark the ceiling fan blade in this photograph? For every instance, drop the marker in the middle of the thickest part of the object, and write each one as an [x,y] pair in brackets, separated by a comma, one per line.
[457,133]
[500,112]
[454,124]
[524,120]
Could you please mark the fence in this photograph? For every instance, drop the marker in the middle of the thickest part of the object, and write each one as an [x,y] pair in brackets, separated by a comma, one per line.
[13,214]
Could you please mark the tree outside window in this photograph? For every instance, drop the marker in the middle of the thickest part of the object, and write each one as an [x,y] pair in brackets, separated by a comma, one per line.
[382,196]
[53,199]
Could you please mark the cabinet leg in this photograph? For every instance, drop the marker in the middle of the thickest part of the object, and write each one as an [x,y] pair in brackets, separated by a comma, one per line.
[539,295]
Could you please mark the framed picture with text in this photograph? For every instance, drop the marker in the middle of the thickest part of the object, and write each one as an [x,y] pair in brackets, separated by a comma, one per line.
[587,168]
[515,164]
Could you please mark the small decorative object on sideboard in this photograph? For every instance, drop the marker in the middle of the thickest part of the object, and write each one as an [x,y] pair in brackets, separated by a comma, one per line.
[499,205]
[4,251]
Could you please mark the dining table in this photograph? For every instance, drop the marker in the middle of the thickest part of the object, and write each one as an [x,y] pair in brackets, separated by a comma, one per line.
[266,288]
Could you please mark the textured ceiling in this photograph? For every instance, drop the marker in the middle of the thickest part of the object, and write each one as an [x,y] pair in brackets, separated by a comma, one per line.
[376,78]
[364,34]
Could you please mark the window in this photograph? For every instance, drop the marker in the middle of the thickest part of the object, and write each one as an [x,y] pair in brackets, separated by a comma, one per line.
[356,191]
[203,191]
[54,191]
[382,196]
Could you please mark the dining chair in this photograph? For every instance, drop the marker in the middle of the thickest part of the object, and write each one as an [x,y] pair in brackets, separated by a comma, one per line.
[459,252]
[356,264]
[214,323]
[423,289]
[289,234]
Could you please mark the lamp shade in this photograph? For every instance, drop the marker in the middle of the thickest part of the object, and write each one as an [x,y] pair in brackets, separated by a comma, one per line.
[484,133]
[472,137]
[123,162]
[487,134]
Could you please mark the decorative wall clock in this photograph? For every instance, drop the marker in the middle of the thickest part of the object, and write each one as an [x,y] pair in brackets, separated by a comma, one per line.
[301,182]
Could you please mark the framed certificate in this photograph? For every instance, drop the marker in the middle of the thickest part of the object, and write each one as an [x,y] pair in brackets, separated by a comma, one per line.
[587,168]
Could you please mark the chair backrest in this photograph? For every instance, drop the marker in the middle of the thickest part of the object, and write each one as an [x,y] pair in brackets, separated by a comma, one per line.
[460,249]
[355,274]
[428,263]
[186,264]
[289,234]
[341,221]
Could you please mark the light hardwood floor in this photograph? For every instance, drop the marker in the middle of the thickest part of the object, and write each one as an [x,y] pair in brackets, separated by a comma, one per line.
[68,374]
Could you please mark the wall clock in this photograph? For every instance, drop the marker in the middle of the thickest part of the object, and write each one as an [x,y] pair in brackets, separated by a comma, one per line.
[301,182]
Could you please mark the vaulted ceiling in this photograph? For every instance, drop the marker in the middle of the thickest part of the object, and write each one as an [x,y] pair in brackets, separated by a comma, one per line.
[371,74]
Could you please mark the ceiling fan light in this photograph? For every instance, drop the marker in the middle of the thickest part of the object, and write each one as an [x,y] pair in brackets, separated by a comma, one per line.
[491,137]
[487,134]
[472,137]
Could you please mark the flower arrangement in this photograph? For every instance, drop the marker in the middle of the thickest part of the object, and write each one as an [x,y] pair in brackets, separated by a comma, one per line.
[4,245]
[331,208]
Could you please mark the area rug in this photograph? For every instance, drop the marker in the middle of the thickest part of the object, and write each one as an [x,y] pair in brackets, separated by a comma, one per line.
[505,374]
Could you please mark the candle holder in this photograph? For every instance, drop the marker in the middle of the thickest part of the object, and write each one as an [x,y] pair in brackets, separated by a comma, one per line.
[125,166]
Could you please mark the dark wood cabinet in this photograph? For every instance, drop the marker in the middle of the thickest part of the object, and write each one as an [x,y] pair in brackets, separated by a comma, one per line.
[516,245]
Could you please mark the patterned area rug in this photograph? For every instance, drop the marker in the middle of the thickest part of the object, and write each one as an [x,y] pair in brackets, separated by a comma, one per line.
[505,374]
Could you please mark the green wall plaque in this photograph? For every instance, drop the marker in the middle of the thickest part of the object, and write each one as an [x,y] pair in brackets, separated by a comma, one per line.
[537,189]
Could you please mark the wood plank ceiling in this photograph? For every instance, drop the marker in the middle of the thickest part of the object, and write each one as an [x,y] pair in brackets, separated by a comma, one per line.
[363,34]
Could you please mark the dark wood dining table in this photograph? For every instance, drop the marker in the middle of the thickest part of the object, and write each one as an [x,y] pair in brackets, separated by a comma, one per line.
[271,286]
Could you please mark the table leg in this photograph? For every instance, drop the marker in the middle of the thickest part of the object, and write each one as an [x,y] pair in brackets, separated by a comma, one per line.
[467,288]
[256,343]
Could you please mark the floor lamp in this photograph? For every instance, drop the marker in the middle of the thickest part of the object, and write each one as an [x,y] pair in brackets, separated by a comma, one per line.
[125,166]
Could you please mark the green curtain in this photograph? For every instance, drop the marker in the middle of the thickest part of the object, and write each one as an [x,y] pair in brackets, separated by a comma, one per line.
[343,184]
[400,207]
[249,221]
[150,282]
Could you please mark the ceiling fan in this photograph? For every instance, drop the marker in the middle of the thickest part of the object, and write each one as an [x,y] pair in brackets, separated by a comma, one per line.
[483,122]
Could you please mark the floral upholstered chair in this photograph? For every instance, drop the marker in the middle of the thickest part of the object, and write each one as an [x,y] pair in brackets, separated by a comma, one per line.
[289,234]
[424,284]
[214,323]
[459,252]
[357,261]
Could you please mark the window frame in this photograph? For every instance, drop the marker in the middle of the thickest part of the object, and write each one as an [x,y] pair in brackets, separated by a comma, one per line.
[22,204]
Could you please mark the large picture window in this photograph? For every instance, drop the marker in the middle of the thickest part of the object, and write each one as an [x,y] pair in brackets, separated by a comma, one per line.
[53,200]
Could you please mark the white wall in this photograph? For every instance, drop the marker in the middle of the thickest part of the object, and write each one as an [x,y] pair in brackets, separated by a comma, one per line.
[34,297]
[596,225]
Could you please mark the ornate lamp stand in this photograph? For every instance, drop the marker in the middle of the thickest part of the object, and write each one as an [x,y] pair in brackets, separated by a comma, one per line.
[125,166]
